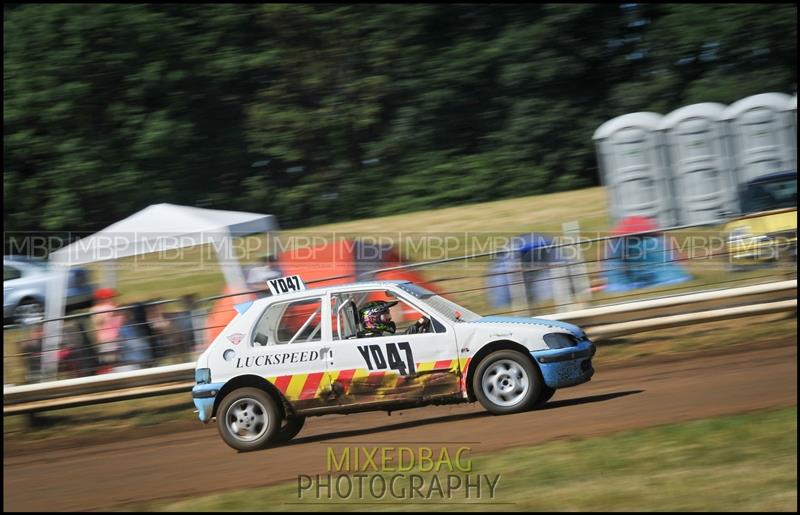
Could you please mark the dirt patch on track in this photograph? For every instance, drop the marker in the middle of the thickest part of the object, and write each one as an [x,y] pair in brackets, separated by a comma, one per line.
[653,391]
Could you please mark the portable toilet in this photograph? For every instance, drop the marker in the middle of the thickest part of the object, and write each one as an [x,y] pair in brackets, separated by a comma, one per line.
[703,183]
[632,168]
[760,140]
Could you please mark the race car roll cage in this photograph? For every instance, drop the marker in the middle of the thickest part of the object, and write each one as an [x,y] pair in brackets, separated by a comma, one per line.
[350,322]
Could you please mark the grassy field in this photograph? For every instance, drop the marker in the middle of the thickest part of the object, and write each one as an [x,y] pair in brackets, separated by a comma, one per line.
[746,462]
[432,234]
[448,232]
[196,270]
[454,231]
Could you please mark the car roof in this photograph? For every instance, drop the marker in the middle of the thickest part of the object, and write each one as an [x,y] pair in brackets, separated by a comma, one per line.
[325,289]
[351,286]
[16,258]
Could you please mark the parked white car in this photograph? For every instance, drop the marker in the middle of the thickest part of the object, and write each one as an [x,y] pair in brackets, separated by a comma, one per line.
[305,352]
[25,285]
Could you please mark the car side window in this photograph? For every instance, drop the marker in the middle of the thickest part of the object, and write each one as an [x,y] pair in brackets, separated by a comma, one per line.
[290,322]
[407,318]
[344,318]
[10,273]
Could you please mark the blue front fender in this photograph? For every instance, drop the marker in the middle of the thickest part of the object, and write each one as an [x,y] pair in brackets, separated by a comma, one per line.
[566,367]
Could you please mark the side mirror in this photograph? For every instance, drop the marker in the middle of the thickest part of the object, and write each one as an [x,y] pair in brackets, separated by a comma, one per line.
[261,339]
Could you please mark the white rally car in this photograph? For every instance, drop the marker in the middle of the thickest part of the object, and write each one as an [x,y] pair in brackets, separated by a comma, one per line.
[302,352]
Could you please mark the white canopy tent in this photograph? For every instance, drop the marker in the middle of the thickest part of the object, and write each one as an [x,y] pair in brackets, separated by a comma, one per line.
[157,228]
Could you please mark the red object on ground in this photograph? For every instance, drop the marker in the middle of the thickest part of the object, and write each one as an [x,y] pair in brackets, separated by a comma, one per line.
[340,260]
[639,224]
[634,224]
[315,263]
[105,293]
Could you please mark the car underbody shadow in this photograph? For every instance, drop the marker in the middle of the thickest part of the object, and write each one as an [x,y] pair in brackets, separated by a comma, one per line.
[586,400]
[447,418]
[380,429]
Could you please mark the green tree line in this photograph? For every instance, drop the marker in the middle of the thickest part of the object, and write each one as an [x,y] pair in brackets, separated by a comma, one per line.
[319,113]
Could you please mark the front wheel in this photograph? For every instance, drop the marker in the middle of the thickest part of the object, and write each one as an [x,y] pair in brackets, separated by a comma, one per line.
[248,419]
[507,381]
[546,395]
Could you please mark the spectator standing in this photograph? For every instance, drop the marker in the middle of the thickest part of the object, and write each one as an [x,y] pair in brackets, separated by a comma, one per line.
[31,349]
[161,329]
[139,318]
[197,322]
[78,356]
[107,325]
[135,351]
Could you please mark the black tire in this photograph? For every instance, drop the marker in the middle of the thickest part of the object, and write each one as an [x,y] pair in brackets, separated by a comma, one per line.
[255,413]
[291,426]
[546,395]
[28,311]
[507,392]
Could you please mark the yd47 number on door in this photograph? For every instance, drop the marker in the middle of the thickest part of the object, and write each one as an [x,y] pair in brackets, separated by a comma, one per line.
[391,360]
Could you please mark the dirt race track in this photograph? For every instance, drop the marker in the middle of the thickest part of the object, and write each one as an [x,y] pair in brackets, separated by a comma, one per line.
[193,459]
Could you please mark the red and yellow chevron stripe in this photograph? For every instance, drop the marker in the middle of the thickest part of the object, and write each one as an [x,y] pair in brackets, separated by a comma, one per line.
[464,372]
[300,387]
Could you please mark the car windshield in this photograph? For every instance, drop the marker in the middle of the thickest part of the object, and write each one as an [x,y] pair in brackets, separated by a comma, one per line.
[446,307]
[775,194]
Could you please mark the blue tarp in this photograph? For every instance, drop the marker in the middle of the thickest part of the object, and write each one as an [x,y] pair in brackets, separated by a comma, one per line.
[632,262]
[642,262]
[531,251]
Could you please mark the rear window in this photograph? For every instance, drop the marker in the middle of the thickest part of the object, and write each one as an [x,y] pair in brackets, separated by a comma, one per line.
[290,322]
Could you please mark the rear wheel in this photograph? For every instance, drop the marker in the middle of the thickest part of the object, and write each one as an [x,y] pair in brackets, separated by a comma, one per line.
[248,419]
[290,428]
[507,381]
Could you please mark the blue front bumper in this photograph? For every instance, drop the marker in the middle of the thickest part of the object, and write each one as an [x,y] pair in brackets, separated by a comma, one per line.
[203,396]
[566,367]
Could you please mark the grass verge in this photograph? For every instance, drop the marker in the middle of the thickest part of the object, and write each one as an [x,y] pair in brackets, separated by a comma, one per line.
[745,462]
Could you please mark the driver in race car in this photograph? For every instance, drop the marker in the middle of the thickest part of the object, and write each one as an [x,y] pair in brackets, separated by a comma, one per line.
[377,320]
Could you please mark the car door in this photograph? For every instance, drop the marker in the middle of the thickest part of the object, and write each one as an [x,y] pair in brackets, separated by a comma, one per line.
[289,347]
[394,368]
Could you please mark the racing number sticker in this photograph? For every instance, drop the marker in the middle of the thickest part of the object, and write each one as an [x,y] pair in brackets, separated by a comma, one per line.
[373,355]
[286,284]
